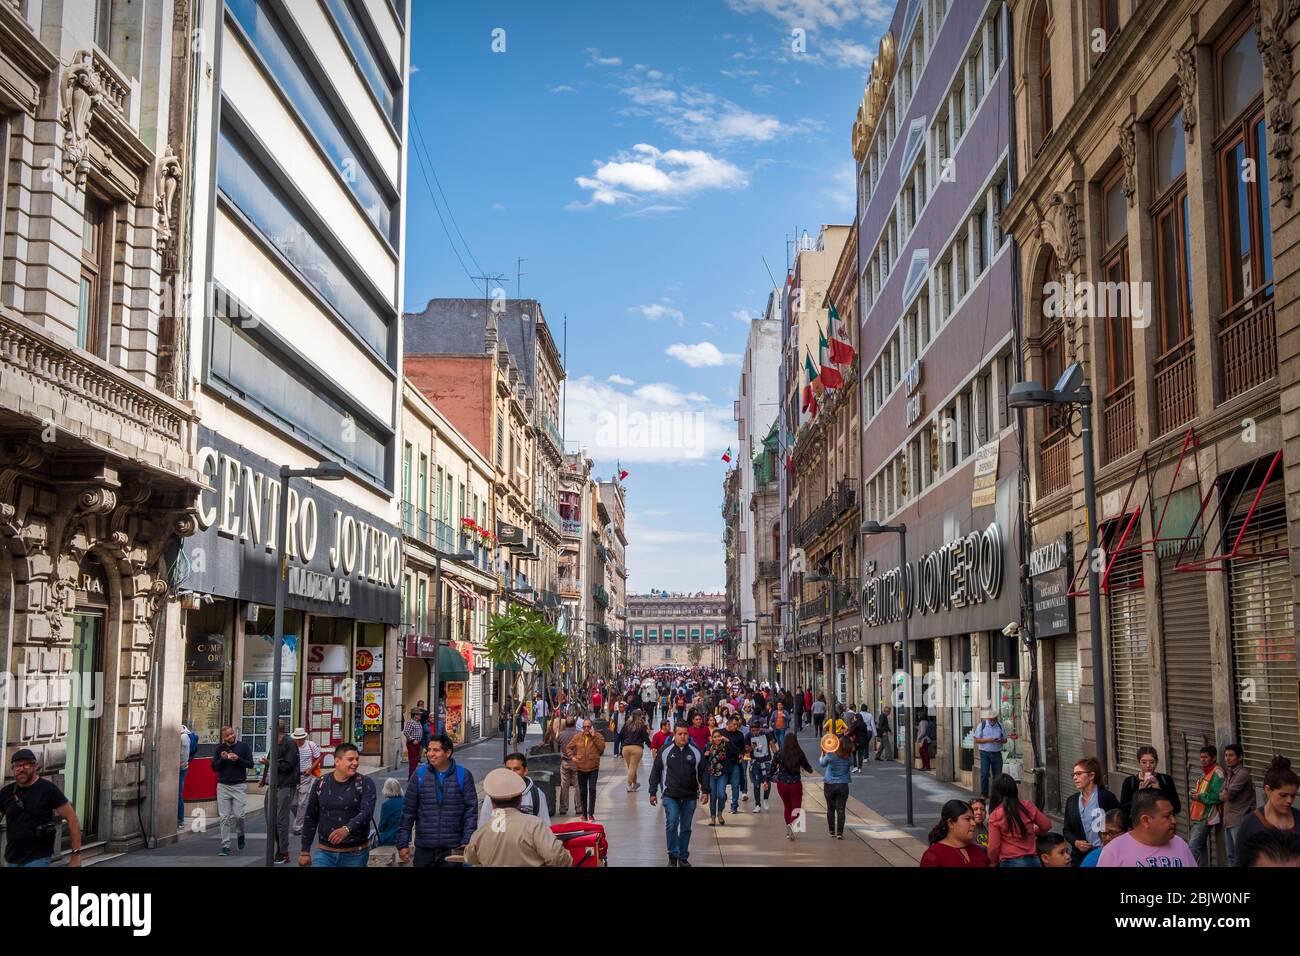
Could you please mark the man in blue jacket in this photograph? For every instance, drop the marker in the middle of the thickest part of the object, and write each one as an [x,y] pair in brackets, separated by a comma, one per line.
[442,805]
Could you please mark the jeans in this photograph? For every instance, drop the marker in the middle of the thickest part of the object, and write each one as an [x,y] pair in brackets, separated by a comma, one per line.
[433,856]
[837,801]
[230,807]
[860,754]
[925,755]
[1021,861]
[791,799]
[43,861]
[717,794]
[587,792]
[1230,834]
[758,776]
[568,782]
[283,814]
[679,814]
[618,742]
[321,857]
[779,733]
[990,767]
[180,799]
[1199,835]
[736,780]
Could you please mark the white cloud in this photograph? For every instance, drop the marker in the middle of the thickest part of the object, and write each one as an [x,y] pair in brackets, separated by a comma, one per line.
[655,210]
[649,95]
[498,207]
[700,355]
[598,60]
[709,325]
[847,53]
[562,88]
[656,422]
[620,380]
[742,315]
[810,14]
[743,124]
[648,171]
[654,312]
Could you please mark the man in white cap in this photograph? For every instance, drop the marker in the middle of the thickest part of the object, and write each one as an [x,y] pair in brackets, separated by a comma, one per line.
[309,764]
[989,737]
[513,838]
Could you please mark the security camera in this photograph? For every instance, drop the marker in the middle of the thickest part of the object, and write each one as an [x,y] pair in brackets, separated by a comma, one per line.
[898,645]
[1011,630]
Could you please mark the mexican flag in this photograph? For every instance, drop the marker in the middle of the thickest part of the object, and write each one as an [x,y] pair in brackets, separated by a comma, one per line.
[841,353]
[811,390]
[726,455]
[830,375]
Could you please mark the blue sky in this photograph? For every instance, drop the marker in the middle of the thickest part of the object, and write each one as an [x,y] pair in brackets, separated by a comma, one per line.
[642,158]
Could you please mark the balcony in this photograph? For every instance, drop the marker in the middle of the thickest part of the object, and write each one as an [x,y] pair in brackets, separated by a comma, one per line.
[602,552]
[817,522]
[553,433]
[1054,464]
[550,515]
[846,495]
[571,527]
[818,607]
[1175,374]
[1120,422]
[600,595]
[444,537]
[769,569]
[569,586]
[1248,346]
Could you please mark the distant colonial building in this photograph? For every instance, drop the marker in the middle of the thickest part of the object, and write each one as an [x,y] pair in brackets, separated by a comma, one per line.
[677,628]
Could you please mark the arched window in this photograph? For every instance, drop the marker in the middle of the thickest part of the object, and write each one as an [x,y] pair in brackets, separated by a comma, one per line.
[1045,68]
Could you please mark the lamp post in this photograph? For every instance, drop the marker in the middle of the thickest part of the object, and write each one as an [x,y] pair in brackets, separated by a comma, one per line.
[325,471]
[900,529]
[1072,391]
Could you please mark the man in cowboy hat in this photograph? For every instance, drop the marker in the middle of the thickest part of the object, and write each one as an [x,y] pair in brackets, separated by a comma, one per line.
[309,764]
[989,737]
[513,838]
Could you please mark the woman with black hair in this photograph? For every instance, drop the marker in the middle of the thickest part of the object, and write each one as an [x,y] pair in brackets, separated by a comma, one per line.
[1278,811]
[789,785]
[1086,810]
[1147,779]
[952,839]
[1014,825]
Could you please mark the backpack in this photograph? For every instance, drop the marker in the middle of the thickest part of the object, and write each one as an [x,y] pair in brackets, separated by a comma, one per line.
[194,744]
[372,838]
[460,776]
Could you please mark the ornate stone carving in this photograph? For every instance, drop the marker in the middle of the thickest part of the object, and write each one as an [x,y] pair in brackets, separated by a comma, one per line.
[167,178]
[59,603]
[1185,59]
[1275,50]
[1128,151]
[97,500]
[22,453]
[82,93]
[1060,229]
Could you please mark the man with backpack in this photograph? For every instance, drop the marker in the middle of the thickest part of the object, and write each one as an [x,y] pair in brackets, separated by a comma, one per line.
[441,804]
[532,802]
[339,815]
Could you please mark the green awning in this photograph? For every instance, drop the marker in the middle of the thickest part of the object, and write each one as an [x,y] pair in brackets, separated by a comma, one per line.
[451,665]
[513,666]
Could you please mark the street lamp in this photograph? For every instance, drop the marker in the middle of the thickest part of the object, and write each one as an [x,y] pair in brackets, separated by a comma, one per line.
[900,529]
[325,471]
[1072,391]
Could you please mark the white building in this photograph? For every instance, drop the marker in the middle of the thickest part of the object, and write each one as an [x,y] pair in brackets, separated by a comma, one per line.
[295,352]
[756,409]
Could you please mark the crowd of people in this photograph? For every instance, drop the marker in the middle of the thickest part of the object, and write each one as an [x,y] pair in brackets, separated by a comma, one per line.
[720,742]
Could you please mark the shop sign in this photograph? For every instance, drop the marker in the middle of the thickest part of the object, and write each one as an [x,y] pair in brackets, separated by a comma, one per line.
[963,573]
[1049,578]
[327,659]
[340,558]
[914,408]
[370,660]
[420,645]
[205,652]
[984,491]
[373,708]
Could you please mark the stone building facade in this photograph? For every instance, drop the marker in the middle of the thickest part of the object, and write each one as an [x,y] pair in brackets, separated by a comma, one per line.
[1154,154]
[97,482]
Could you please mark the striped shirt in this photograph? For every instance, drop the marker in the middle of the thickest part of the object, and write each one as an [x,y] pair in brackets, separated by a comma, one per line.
[308,753]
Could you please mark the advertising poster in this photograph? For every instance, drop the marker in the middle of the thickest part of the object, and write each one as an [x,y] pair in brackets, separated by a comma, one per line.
[373,709]
[455,702]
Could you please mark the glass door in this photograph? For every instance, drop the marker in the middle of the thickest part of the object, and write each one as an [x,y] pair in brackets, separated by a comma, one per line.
[83,719]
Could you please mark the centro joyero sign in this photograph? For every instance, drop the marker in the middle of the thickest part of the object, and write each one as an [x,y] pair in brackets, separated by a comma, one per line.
[340,559]
[963,573]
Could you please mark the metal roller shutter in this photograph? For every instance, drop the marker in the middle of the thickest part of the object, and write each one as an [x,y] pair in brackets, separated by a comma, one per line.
[1189,691]
[1130,661]
[474,730]
[1263,638]
[1069,724]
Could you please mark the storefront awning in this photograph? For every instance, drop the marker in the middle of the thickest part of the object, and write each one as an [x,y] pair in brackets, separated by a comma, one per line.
[451,665]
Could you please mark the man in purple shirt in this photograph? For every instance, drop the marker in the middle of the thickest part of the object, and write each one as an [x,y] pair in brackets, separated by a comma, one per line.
[1154,839]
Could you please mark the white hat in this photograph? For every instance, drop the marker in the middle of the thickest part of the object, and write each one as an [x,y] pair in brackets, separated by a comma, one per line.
[299,734]
[503,784]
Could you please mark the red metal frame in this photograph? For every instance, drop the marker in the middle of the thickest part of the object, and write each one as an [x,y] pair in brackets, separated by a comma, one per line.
[1216,562]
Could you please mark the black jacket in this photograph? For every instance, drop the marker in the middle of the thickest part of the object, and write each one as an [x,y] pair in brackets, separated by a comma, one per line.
[1164,783]
[332,805]
[1073,828]
[233,772]
[286,764]
[681,770]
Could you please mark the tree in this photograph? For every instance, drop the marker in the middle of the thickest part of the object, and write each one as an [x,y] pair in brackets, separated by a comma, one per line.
[695,654]
[522,638]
